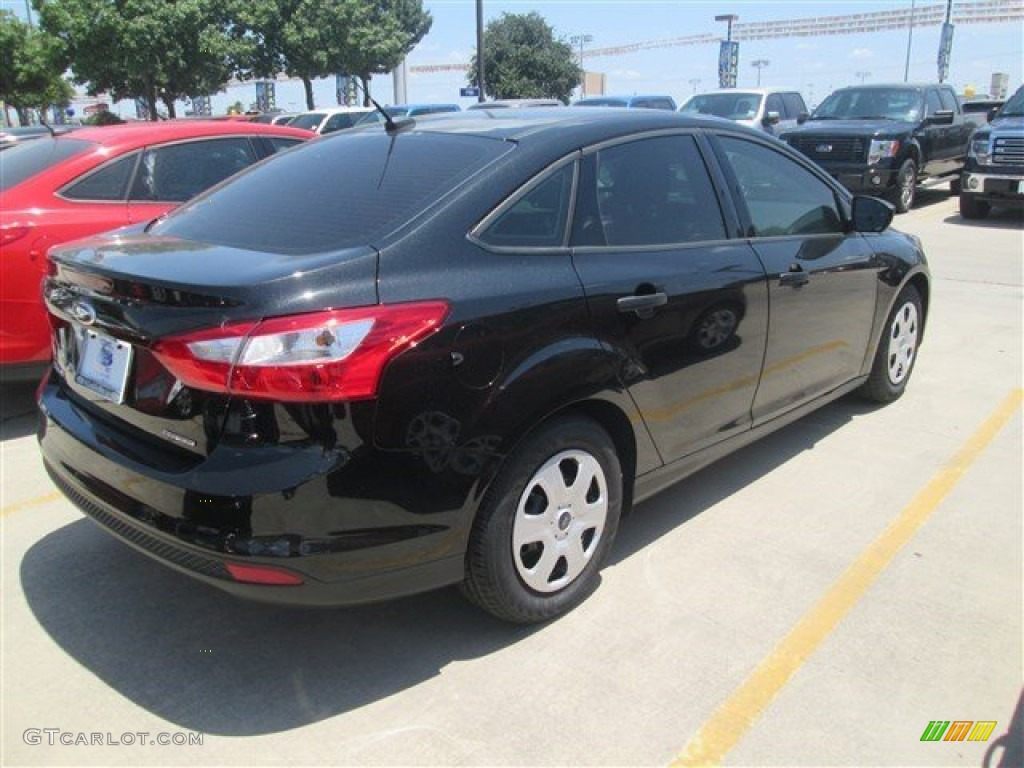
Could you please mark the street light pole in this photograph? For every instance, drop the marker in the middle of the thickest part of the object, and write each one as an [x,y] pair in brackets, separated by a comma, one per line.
[760,64]
[582,40]
[694,81]
[730,18]
[910,40]
[863,76]
[480,50]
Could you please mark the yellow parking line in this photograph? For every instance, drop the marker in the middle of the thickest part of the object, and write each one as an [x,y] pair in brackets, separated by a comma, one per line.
[723,730]
[38,501]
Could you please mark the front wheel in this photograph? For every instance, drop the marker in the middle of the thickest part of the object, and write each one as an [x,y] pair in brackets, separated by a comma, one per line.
[973,208]
[897,349]
[546,525]
[906,186]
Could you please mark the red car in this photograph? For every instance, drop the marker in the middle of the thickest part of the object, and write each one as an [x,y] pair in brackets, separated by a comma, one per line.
[95,179]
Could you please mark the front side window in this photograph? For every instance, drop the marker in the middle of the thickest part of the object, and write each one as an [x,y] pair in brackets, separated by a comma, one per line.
[774,104]
[794,105]
[781,197]
[108,183]
[647,192]
[538,219]
[178,172]
[932,103]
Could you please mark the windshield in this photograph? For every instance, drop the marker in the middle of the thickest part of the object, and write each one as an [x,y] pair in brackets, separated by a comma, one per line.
[1014,106]
[871,103]
[22,161]
[350,190]
[732,106]
[601,103]
[308,120]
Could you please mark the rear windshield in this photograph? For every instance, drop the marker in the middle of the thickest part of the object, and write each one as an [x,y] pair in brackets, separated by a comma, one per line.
[333,193]
[23,161]
[601,103]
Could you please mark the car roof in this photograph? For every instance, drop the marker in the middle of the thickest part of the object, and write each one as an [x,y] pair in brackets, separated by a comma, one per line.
[143,133]
[761,91]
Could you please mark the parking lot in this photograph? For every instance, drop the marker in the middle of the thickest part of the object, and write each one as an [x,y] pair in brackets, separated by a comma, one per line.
[816,599]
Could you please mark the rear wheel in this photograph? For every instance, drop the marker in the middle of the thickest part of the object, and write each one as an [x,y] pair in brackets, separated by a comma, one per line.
[955,186]
[547,524]
[897,349]
[906,186]
[973,208]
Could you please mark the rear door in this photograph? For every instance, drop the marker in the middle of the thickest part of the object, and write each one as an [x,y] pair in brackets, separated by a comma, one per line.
[821,279]
[682,304]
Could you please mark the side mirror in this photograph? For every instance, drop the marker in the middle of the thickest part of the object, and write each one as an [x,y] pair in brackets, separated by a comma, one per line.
[802,118]
[941,117]
[871,214]
[992,114]
[771,118]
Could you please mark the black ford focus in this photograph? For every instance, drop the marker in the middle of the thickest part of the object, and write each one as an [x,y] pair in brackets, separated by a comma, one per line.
[456,352]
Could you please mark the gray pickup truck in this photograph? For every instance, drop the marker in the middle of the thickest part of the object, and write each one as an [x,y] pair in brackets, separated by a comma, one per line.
[884,140]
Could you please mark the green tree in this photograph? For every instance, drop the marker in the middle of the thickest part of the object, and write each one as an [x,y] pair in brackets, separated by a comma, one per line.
[523,60]
[309,39]
[148,49]
[32,65]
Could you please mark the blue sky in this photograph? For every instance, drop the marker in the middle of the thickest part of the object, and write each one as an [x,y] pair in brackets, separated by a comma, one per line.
[815,66]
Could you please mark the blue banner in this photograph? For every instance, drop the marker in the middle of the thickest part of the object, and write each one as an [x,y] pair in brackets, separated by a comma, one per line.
[345,90]
[728,64]
[945,50]
[266,95]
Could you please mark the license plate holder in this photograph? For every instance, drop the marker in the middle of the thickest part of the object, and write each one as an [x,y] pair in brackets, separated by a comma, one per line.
[103,364]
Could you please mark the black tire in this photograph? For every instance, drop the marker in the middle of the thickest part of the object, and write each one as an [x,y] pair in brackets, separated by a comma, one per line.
[955,186]
[905,191]
[973,208]
[495,579]
[891,368]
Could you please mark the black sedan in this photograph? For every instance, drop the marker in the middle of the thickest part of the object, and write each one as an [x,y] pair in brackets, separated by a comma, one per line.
[457,352]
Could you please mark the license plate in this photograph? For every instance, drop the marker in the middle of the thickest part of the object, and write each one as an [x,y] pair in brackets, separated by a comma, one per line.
[103,364]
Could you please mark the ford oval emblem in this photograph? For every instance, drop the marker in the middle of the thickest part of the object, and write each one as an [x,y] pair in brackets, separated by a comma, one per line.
[83,312]
[823,148]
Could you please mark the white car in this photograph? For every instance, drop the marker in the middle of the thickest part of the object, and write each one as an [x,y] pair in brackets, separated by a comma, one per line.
[768,109]
[329,119]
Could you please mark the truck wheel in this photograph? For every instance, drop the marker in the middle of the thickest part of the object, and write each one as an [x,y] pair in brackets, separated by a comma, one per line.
[906,186]
[973,208]
[955,186]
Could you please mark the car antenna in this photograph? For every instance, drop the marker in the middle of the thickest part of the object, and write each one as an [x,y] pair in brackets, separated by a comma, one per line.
[390,126]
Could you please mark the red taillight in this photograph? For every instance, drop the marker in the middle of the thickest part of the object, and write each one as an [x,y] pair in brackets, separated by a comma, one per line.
[262,574]
[330,355]
[10,233]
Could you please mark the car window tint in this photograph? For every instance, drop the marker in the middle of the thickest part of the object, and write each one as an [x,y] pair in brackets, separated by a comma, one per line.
[23,161]
[307,120]
[774,104]
[350,191]
[794,105]
[177,172]
[647,192]
[341,120]
[108,183]
[932,103]
[538,218]
[278,144]
[781,197]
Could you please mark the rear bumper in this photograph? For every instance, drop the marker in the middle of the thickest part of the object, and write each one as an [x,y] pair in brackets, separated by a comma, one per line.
[378,559]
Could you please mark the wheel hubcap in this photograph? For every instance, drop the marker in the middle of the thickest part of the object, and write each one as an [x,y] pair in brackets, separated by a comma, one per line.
[716,329]
[902,342]
[907,189]
[559,521]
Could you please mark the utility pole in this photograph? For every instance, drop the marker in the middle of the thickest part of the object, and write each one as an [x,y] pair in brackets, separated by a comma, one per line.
[480,50]
[760,64]
[582,40]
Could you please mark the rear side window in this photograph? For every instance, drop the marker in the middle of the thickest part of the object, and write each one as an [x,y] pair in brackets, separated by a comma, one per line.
[647,192]
[178,172]
[108,183]
[341,120]
[278,144]
[538,218]
[346,191]
[23,161]
[308,121]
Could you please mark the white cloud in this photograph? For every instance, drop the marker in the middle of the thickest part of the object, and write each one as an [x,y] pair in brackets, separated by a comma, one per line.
[861,54]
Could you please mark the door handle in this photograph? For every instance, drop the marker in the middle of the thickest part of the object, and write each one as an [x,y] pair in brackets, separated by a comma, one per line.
[641,303]
[795,277]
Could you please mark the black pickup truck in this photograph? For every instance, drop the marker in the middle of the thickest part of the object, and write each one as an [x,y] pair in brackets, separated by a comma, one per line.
[994,174]
[884,140]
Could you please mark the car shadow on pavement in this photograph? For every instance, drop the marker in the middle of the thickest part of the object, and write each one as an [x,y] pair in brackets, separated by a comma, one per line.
[17,410]
[998,218]
[209,662]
